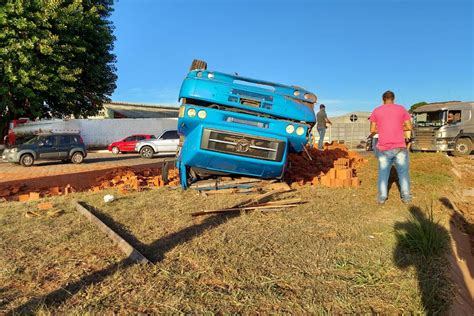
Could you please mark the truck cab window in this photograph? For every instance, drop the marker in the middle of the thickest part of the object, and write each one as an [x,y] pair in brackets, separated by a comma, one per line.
[454,117]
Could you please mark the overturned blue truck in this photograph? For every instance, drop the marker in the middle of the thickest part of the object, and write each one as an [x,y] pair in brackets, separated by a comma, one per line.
[237,126]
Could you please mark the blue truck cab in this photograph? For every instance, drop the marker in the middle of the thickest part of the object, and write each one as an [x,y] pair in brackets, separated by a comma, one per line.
[232,125]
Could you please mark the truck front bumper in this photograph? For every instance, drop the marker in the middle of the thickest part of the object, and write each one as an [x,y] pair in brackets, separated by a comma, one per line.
[222,156]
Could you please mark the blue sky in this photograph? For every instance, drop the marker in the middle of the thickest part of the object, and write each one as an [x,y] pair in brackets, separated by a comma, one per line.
[347,52]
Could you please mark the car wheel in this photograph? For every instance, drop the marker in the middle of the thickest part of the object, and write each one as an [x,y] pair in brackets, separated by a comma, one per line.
[77,157]
[147,152]
[115,150]
[27,160]
[462,147]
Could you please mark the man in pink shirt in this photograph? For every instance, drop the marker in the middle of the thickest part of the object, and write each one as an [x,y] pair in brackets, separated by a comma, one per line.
[390,120]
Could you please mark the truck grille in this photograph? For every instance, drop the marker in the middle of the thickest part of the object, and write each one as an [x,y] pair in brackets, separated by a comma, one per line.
[424,138]
[243,145]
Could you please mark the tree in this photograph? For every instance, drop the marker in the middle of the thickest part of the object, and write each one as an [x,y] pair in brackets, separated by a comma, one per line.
[55,58]
[416,105]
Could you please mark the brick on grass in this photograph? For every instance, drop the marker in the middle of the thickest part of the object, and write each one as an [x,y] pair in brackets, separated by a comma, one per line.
[34,196]
[45,206]
[24,197]
[355,182]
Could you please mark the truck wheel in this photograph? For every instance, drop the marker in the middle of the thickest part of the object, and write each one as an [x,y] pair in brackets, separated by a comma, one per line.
[115,150]
[27,160]
[462,147]
[198,64]
[77,157]
[147,152]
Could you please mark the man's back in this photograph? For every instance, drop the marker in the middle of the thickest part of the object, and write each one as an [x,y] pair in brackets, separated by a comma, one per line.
[321,119]
[390,119]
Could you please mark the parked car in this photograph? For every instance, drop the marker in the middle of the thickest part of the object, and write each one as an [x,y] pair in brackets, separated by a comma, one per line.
[128,143]
[166,144]
[65,146]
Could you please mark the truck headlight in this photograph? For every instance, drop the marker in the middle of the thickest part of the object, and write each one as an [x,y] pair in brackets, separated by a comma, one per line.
[310,97]
[210,75]
[191,112]
[290,129]
[296,93]
[13,150]
[202,114]
[181,111]
[300,131]
[199,74]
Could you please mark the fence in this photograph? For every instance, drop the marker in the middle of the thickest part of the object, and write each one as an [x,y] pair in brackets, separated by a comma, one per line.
[353,135]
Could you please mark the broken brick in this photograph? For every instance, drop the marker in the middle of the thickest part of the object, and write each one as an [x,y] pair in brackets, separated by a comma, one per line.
[45,206]
[33,196]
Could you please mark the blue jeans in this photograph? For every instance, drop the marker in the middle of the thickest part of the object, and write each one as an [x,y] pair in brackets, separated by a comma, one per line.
[321,132]
[399,158]
[374,146]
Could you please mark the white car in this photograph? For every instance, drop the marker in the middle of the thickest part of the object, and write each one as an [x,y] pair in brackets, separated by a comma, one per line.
[166,144]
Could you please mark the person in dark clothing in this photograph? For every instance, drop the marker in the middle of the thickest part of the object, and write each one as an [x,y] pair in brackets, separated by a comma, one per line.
[321,124]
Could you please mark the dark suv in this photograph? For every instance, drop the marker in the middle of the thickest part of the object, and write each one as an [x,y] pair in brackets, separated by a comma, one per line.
[65,147]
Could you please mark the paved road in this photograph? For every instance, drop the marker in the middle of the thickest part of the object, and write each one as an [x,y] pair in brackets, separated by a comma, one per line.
[93,162]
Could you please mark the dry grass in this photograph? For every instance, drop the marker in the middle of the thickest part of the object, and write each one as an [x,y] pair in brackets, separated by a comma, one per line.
[338,253]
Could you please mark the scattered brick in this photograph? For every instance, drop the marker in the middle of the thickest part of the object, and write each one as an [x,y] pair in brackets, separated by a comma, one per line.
[45,206]
[33,196]
[24,197]
[334,162]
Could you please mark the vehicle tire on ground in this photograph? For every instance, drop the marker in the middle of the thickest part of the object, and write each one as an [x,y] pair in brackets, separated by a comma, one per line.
[198,64]
[77,157]
[462,147]
[115,150]
[27,160]
[147,152]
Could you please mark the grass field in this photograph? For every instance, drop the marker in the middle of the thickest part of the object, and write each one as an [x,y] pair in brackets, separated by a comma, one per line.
[339,253]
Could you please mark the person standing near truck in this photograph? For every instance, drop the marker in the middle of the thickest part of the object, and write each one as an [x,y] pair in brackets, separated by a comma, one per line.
[321,124]
[390,120]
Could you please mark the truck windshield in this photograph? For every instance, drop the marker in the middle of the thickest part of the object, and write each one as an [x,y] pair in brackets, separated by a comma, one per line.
[434,119]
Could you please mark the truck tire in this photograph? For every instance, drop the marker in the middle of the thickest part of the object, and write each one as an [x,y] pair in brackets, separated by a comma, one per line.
[27,160]
[115,150]
[198,64]
[77,157]
[147,152]
[462,147]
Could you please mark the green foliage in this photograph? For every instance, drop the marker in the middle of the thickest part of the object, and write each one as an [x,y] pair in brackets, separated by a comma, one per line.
[416,105]
[55,57]
[422,235]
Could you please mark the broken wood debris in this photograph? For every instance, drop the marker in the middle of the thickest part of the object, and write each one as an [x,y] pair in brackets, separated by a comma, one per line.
[258,203]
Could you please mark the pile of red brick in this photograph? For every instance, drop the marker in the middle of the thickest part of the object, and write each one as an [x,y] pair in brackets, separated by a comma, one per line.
[20,193]
[335,166]
[126,179]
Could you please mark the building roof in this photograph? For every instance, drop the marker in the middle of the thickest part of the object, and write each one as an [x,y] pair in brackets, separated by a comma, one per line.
[139,110]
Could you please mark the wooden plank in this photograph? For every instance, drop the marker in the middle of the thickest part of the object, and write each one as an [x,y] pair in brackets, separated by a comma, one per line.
[242,209]
[246,203]
[123,245]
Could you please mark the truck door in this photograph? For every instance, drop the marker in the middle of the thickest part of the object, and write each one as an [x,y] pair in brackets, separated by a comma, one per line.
[48,148]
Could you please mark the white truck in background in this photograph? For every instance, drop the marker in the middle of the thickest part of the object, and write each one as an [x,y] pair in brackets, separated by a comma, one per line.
[96,133]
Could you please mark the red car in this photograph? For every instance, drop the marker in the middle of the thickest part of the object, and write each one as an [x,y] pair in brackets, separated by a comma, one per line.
[128,143]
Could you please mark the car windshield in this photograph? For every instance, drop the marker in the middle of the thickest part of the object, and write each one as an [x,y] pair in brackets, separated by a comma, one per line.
[435,119]
[33,140]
